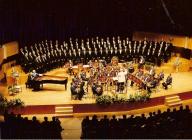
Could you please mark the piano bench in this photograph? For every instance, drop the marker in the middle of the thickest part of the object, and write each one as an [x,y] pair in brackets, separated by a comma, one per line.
[27,85]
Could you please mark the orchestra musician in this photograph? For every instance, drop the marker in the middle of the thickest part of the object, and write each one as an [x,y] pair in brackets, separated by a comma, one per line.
[146,80]
[83,75]
[141,62]
[177,64]
[138,75]
[152,71]
[152,84]
[77,89]
[70,68]
[97,89]
[161,75]
[131,68]
[167,82]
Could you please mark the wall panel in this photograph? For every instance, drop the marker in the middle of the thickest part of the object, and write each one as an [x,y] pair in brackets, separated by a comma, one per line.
[7,50]
[10,49]
[179,41]
[1,55]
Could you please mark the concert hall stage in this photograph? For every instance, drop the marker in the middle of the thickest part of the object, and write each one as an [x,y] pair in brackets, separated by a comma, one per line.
[45,101]
[52,95]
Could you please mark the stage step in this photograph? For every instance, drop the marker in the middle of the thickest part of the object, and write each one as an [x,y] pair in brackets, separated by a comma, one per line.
[175,104]
[64,111]
[173,101]
[172,97]
[64,107]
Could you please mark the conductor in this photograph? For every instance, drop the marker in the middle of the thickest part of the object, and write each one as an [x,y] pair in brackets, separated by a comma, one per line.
[121,79]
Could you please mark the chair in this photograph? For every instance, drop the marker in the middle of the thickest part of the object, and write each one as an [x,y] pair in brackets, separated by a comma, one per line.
[170,85]
[28,83]
[156,88]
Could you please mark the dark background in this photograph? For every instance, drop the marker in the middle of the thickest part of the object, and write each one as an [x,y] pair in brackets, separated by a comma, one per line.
[34,20]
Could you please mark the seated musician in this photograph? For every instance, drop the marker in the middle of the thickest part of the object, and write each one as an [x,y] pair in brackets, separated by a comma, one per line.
[83,76]
[141,62]
[70,69]
[131,68]
[146,80]
[121,79]
[33,75]
[90,63]
[138,74]
[97,89]
[73,87]
[161,75]
[104,63]
[167,82]
[177,63]
[152,84]
[152,71]
[77,90]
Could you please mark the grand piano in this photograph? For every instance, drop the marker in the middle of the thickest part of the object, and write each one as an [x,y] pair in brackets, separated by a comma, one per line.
[39,81]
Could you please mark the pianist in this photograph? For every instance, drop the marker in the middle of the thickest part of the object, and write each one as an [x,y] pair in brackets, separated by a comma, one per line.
[34,75]
[32,82]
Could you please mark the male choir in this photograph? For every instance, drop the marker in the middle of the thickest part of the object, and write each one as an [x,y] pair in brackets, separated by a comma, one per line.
[46,55]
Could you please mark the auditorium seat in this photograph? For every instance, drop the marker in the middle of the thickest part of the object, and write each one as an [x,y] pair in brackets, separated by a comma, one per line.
[17,127]
[168,124]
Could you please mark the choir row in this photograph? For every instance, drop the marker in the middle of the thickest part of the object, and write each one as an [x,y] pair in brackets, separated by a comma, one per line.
[56,54]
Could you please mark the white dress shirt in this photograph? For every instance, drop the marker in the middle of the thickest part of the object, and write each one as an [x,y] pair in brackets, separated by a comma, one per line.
[121,76]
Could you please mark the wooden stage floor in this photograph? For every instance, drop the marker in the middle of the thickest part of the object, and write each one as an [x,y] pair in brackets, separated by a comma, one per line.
[55,94]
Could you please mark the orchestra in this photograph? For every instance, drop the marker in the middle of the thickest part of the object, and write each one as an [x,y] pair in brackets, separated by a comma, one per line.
[111,74]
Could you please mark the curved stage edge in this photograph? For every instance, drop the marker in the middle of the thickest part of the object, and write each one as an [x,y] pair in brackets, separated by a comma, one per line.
[95,108]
